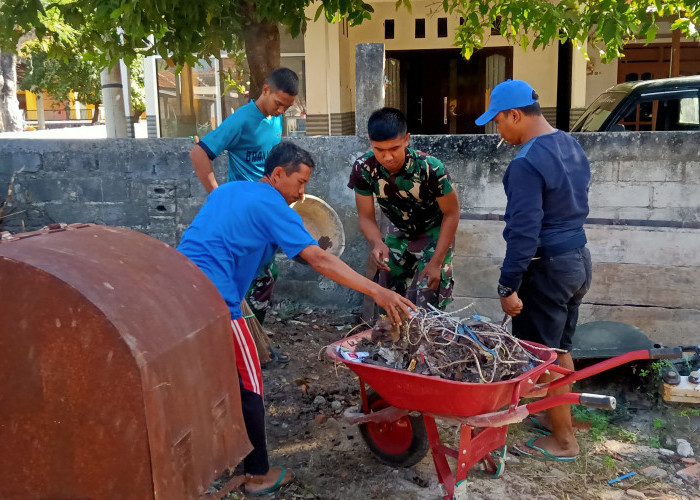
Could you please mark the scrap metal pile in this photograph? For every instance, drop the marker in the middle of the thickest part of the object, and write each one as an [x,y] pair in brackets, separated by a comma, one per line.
[441,344]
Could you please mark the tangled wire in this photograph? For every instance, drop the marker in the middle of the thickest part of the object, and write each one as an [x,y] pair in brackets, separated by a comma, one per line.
[434,342]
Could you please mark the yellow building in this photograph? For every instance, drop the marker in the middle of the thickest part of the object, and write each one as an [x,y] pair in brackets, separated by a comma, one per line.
[53,111]
[440,91]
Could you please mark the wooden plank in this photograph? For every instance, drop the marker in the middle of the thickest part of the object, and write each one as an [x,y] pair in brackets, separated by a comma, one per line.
[685,392]
[613,284]
[656,246]
[640,285]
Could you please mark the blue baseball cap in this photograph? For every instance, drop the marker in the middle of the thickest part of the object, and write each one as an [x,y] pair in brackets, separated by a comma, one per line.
[507,95]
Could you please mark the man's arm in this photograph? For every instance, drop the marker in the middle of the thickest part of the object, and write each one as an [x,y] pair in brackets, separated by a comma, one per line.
[449,204]
[332,267]
[203,168]
[524,213]
[368,225]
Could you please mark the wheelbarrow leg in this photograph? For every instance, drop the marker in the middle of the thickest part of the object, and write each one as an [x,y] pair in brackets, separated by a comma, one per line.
[465,452]
[480,446]
[474,446]
[477,446]
[440,452]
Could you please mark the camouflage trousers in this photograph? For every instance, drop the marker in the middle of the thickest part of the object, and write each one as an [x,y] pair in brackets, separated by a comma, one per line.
[260,292]
[407,259]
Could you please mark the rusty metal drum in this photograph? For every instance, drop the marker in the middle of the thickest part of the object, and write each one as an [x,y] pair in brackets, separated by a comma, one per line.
[117,369]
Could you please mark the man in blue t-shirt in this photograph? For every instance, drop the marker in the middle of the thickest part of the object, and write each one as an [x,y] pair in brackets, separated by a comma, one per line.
[248,135]
[236,232]
[547,267]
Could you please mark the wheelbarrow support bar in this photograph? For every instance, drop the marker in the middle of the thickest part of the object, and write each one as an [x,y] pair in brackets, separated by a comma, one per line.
[390,414]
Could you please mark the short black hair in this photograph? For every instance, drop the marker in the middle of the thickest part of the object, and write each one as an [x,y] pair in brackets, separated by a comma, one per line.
[534,108]
[289,156]
[283,79]
[385,124]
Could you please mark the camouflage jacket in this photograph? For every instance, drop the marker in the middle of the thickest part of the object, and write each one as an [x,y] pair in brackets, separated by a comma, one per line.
[409,197]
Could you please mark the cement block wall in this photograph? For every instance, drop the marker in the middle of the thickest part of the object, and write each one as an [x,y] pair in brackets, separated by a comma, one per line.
[644,225]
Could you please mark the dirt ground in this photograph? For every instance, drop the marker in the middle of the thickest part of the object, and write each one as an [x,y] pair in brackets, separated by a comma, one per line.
[306,398]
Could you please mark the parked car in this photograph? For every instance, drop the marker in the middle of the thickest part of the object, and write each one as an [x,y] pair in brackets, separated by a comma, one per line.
[656,105]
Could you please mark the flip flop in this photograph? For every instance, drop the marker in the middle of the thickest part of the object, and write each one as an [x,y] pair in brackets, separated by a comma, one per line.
[545,454]
[537,427]
[276,356]
[278,484]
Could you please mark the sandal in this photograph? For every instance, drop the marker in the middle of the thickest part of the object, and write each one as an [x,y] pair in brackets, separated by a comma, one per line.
[277,356]
[278,484]
[536,426]
[527,449]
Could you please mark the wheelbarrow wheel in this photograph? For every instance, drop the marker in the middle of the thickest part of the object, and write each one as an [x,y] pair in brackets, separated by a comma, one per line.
[402,443]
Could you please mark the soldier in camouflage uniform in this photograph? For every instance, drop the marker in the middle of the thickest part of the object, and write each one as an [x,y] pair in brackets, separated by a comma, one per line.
[415,193]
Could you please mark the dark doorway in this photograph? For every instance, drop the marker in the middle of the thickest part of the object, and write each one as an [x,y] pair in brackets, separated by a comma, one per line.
[565,59]
[440,91]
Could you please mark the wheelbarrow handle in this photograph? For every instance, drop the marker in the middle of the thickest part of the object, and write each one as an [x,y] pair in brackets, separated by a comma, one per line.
[598,401]
[666,353]
[584,399]
[519,413]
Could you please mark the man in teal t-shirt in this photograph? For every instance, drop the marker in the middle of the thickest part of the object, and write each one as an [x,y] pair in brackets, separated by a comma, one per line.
[248,135]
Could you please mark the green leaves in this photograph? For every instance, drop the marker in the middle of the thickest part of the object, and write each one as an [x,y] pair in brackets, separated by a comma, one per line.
[186,31]
[58,77]
[605,24]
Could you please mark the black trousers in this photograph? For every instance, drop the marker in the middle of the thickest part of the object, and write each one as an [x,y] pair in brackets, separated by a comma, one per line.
[254,417]
[552,291]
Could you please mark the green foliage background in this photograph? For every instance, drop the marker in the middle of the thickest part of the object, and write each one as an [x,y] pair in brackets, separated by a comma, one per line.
[186,31]
[88,34]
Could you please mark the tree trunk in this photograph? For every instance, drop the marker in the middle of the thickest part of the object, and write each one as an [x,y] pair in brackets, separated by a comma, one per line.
[96,113]
[40,117]
[113,102]
[12,118]
[262,48]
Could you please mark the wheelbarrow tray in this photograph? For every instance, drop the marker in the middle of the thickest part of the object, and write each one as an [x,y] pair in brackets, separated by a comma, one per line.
[435,395]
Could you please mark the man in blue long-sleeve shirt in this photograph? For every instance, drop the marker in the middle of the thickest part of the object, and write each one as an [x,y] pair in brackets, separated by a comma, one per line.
[547,267]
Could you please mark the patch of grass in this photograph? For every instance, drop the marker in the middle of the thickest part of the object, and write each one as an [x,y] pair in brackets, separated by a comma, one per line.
[654,442]
[609,461]
[599,421]
[625,435]
[690,412]
[654,379]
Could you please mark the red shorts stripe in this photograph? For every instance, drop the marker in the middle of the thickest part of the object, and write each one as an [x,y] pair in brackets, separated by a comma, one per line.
[247,360]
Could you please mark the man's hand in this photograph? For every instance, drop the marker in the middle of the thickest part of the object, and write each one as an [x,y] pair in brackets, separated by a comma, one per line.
[333,268]
[380,255]
[433,271]
[396,306]
[512,305]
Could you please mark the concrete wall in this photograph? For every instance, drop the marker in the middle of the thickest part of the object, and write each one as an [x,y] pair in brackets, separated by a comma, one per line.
[644,228]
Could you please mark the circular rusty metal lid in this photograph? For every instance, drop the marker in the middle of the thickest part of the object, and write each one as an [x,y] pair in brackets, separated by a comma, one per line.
[322,222]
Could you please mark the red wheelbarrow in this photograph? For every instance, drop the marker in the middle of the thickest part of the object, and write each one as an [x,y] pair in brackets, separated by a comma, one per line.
[390,415]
